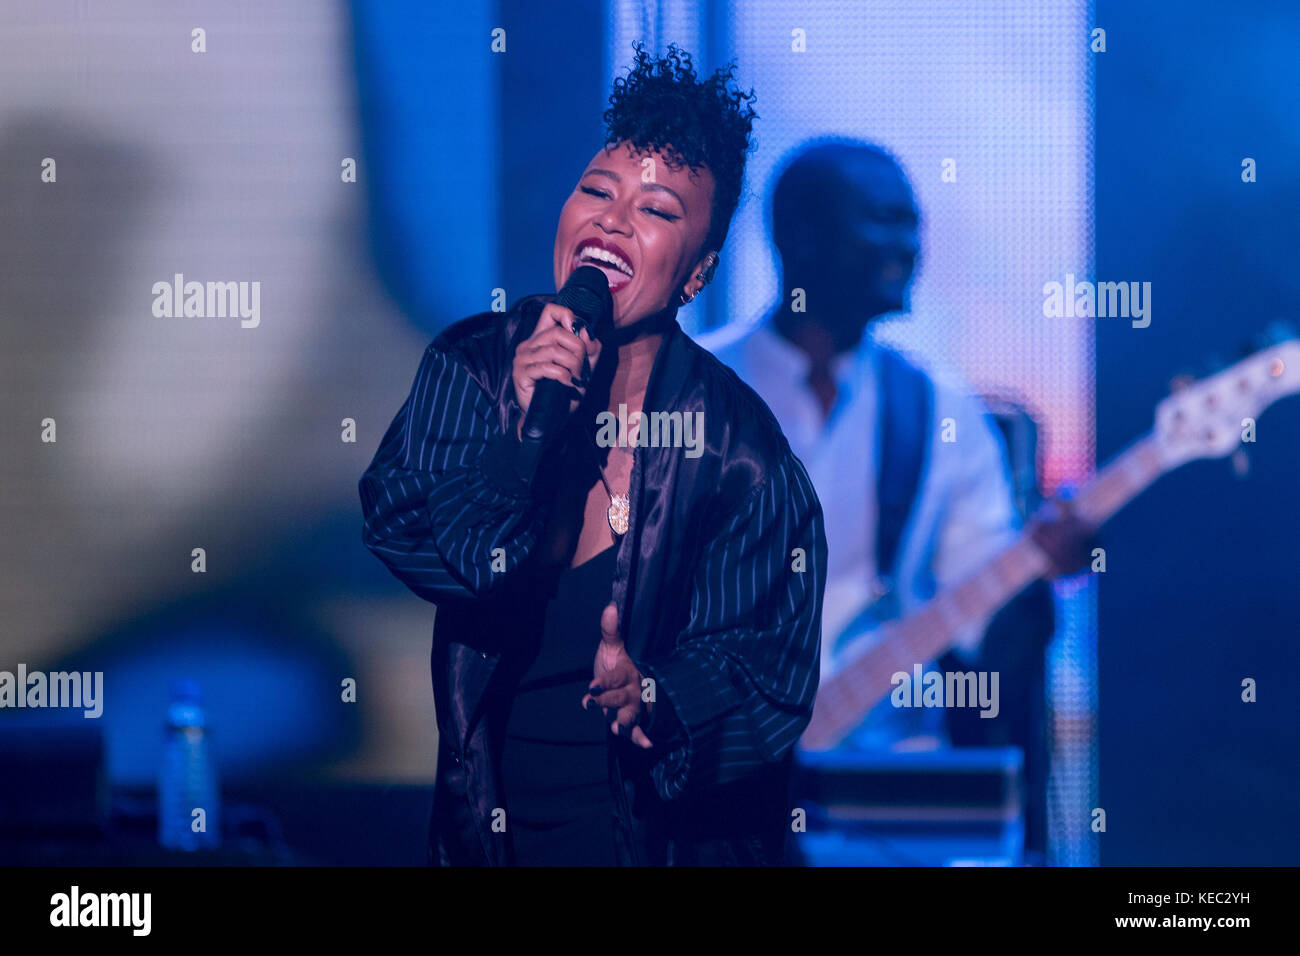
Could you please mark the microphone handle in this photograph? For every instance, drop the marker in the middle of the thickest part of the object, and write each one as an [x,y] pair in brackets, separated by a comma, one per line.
[548,410]
[546,415]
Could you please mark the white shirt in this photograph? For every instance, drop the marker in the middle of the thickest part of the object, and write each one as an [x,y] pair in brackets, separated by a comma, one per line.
[963,513]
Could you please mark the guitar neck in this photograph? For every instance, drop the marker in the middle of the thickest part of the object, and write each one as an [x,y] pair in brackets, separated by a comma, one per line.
[934,629]
[1126,476]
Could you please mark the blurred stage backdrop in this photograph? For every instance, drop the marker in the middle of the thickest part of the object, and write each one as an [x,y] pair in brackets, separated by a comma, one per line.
[378,170]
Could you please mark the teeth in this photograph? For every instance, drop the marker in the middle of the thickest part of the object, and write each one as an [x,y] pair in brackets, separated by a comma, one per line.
[595,252]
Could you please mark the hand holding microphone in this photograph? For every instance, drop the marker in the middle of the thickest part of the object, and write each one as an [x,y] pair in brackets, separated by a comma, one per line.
[554,360]
[554,352]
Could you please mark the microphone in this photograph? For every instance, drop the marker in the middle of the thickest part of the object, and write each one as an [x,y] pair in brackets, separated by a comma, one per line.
[585,294]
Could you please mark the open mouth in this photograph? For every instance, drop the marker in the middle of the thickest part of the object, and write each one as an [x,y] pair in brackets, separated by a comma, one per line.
[606,257]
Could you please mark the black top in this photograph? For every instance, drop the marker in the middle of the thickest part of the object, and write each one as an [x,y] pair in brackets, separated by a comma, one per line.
[555,761]
[545,706]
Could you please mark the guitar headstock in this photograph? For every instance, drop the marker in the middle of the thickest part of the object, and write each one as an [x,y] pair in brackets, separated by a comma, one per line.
[1205,419]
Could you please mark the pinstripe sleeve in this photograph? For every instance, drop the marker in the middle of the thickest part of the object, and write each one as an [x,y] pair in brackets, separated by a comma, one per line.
[440,495]
[744,673]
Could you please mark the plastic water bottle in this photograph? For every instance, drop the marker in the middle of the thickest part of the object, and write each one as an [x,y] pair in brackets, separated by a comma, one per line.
[187,781]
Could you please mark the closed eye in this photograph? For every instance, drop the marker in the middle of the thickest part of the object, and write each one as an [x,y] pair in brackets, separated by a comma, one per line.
[602,194]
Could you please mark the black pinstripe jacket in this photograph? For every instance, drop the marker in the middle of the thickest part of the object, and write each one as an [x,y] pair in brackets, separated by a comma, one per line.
[718,583]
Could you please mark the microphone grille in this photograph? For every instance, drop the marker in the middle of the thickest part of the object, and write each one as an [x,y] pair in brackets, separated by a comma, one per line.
[586,294]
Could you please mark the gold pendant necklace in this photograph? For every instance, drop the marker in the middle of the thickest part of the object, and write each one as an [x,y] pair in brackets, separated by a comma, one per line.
[618,511]
[620,506]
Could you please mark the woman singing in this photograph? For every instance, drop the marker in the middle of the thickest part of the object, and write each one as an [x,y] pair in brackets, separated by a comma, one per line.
[626,643]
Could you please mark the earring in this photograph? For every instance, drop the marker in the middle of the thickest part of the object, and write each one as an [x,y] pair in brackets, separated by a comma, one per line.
[710,266]
[704,276]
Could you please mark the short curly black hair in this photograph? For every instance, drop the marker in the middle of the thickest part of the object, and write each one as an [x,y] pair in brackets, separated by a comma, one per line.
[661,105]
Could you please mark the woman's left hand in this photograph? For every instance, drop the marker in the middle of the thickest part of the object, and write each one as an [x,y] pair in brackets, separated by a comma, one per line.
[617,682]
